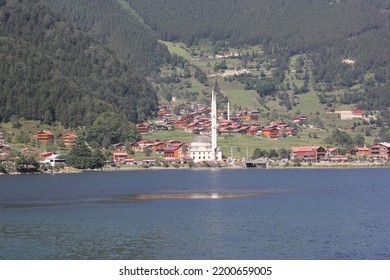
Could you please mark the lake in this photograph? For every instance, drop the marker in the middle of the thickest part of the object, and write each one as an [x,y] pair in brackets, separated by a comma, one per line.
[197,214]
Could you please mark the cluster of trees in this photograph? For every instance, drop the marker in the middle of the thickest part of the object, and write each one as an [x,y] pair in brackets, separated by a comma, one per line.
[344,140]
[54,72]
[272,153]
[82,157]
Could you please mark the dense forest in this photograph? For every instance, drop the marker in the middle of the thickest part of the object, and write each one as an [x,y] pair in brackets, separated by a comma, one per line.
[54,72]
[116,25]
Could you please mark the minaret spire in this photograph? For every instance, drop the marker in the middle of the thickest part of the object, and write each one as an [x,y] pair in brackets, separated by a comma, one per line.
[228,110]
[213,124]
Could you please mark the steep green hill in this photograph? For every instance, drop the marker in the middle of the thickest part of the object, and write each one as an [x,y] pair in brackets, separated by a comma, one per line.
[116,25]
[52,71]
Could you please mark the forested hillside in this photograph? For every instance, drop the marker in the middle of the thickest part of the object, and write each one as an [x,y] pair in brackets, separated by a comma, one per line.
[52,71]
[116,25]
[348,27]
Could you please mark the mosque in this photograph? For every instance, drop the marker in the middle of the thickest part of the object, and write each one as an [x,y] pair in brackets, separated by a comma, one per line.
[204,148]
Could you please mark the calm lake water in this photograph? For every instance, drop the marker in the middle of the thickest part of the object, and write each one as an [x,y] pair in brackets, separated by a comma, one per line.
[305,214]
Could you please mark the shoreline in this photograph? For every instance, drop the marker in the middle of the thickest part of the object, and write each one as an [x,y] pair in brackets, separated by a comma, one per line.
[303,166]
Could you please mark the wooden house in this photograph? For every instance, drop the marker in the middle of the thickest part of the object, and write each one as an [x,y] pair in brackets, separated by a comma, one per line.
[69,139]
[120,157]
[308,153]
[158,147]
[175,152]
[143,127]
[357,112]
[332,152]
[380,150]
[300,119]
[44,136]
[289,131]
[271,132]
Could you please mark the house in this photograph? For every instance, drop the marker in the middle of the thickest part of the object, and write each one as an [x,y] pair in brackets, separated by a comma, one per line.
[54,160]
[44,136]
[143,127]
[119,147]
[223,131]
[120,157]
[253,131]
[164,112]
[176,151]
[161,128]
[271,132]
[69,139]
[300,119]
[183,121]
[380,150]
[249,117]
[357,112]
[289,131]
[158,147]
[45,155]
[332,152]
[307,153]
[362,151]
[278,124]
[140,145]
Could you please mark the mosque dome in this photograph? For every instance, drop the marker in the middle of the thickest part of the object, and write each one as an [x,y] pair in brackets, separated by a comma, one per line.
[201,139]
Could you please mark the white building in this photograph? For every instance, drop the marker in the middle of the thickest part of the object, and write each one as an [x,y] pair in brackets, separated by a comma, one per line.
[202,150]
[54,160]
[202,147]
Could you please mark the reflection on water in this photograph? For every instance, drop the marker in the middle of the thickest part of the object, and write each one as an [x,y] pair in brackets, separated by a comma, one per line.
[130,198]
[153,196]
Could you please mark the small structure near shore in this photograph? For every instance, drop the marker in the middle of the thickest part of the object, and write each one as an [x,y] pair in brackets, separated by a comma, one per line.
[260,162]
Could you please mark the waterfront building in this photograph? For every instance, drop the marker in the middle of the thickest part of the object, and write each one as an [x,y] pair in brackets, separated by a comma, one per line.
[308,153]
[176,151]
[380,150]
[202,147]
[202,150]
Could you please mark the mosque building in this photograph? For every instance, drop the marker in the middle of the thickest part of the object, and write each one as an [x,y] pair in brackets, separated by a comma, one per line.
[204,148]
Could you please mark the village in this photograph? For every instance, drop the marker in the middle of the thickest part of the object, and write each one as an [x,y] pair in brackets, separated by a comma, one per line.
[201,151]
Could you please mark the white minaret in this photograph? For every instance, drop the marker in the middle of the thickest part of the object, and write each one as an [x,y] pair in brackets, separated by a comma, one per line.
[228,110]
[213,124]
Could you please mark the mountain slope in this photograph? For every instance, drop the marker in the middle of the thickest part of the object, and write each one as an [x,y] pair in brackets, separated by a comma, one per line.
[52,71]
[292,26]
[116,25]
